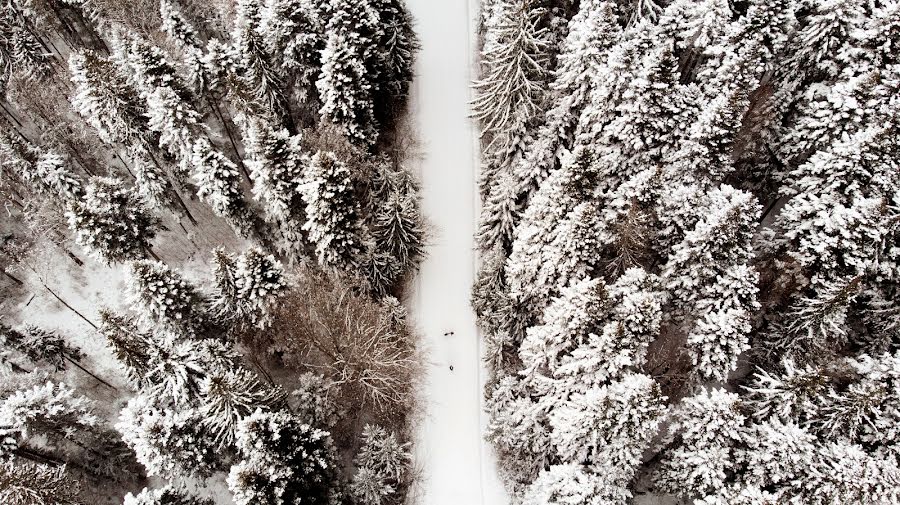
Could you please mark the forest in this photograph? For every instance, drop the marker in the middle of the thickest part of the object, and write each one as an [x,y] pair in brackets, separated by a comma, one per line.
[690,249]
[208,226]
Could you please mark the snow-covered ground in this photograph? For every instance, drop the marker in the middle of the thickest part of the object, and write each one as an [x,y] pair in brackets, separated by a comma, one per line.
[456,463]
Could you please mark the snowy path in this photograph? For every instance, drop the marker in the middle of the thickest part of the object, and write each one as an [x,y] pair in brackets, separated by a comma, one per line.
[456,462]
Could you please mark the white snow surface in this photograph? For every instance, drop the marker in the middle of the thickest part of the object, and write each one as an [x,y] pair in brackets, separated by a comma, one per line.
[456,463]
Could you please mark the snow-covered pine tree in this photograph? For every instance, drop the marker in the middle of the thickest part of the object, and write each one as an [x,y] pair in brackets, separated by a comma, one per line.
[161,296]
[572,483]
[499,212]
[708,273]
[132,348]
[44,171]
[107,101]
[276,162]
[248,287]
[168,495]
[111,222]
[394,51]
[52,419]
[382,466]
[21,51]
[230,395]
[332,211]
[395,222]
[219,184]
[169,441]
[258,74]
[515,60]
[708,430]
[543,260]
[345,90]
[41,346]
[293,34]
[27,483]
[283,460]
[609,427]
[592,32]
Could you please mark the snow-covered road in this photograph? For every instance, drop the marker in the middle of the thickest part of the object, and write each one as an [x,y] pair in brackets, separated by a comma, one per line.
[457,465]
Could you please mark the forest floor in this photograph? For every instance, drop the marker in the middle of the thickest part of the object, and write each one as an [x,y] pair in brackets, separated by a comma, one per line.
[456,463]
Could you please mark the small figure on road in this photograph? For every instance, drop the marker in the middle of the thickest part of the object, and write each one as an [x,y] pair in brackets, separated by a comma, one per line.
[451,368]
[449,333]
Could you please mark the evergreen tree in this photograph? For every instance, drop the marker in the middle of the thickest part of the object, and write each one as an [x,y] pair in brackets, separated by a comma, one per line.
[292,33]
[708,428]
[52,419]
[41,346]
[169,442]
[167,495]
[162,297]
[515,58]
[283,461]
[610,427]
[258,74]
[132,348]
[25,483]
[382,465]
[345,90]
[708,274]
[44,171]
[332,211]
[540,250]
[219,184]
[110,222]
[107,101]
[248,286]
[229,396]
[276,164]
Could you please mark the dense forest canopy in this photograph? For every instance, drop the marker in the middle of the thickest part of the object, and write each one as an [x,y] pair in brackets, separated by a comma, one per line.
[690,242]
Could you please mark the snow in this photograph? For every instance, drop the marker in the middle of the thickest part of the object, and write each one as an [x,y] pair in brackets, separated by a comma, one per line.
[456,462]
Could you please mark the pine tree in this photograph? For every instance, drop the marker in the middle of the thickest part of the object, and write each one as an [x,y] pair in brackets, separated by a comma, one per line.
[219,184]
[283,461]
[708,274]
[41,346]
[229,396]
[345,91]
[167,495]
[25,483]
[708,428]
[44,171]
[52,419]
[292,33]
[332,211]
[382,465]
[258,74]
[395,45]
[110,222]
[592,32]
[132,348]
[515,58]
[107,101]
[162,297]
[539,251]
[573,483]
[22,53]
[248,285]
[610,426]
[276,164]
[169,442]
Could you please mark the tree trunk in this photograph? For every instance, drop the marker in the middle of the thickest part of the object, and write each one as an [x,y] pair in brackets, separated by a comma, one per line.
[85,370]
[237,155]
[73,309]
[13,278]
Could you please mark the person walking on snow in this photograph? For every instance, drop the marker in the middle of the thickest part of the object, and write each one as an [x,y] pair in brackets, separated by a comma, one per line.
[449,334]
